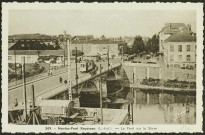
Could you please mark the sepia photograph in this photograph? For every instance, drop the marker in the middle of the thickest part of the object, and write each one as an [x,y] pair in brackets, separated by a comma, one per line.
[75,69]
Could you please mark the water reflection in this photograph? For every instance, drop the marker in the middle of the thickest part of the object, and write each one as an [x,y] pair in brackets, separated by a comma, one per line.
[163,107]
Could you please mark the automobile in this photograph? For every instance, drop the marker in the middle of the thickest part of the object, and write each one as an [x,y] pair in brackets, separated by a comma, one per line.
[135,61]
[150,62]
[190,67]
[49,61]
[147,56]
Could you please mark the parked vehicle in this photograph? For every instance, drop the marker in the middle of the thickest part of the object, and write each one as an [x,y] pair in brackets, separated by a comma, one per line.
[147,56]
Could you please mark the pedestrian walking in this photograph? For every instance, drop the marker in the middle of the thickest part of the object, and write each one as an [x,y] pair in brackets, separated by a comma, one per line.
[15,103]
[65,82]
[60,79]
[95,118]
[51,72]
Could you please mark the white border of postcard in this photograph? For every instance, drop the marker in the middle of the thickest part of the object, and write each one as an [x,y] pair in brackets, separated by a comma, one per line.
[198,7]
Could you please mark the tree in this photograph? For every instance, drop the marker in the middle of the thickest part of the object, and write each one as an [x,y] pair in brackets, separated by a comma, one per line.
[155,44]
[36,67]
[138,45]
[147,46]
[102,37]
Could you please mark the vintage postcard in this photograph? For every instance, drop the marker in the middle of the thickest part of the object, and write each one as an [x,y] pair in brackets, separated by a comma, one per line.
[102,67]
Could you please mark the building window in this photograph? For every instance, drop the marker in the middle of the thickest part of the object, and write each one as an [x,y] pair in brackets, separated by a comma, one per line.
[171,48]
[9,57]
[188,58]
[171,57]
[179,48]
[180,57]
[22,58]
[29,59]
[188,48]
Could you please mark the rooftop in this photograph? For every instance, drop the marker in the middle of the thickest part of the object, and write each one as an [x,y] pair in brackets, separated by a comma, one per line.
[107,41]
[36,52]
[30,36]
[181,37]
[175,27]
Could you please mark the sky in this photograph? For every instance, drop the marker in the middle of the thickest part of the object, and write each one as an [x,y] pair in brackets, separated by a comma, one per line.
[111,23]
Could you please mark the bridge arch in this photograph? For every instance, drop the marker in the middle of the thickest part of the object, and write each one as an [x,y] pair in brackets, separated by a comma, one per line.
[89,95]
[111,75]
[89,86]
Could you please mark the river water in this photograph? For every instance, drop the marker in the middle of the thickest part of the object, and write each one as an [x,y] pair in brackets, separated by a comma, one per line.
[149,106]
[163,108]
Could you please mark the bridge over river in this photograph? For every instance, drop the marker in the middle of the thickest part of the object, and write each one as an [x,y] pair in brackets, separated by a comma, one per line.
[49,87]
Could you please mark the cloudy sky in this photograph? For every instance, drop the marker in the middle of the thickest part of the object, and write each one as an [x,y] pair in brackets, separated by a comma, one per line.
[111,23]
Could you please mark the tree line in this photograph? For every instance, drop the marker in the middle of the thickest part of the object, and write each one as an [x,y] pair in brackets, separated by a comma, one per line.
[151,45]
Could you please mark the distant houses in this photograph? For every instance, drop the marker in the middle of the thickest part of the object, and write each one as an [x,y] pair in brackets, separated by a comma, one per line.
[31,56]
[101,47]
[25,46]
[177,45]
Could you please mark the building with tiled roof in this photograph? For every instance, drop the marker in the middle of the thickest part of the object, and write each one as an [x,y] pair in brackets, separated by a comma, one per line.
[169,29]
[180,50]
[181,37]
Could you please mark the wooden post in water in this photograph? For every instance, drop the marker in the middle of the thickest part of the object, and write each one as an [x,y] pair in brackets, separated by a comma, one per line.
[147,98]
[132,113]
[147,72]
[135,96]
[24,88]
[101,104]
[160,97]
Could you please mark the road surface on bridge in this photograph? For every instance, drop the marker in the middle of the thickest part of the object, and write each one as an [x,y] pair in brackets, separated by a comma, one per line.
[49,83]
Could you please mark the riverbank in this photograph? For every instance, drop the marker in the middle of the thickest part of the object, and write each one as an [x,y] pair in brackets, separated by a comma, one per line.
[161,88]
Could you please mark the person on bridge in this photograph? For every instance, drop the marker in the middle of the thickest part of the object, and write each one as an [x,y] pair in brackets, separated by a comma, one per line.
[60,79]
[65,82]
[15,103]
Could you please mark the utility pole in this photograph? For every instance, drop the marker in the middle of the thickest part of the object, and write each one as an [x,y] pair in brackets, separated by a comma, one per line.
[76,69]
[64,42]
[82,51]
[122,53]
[24,88]
[64,57]
[69,71]
[101,104]
[15,65]
[108,58]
